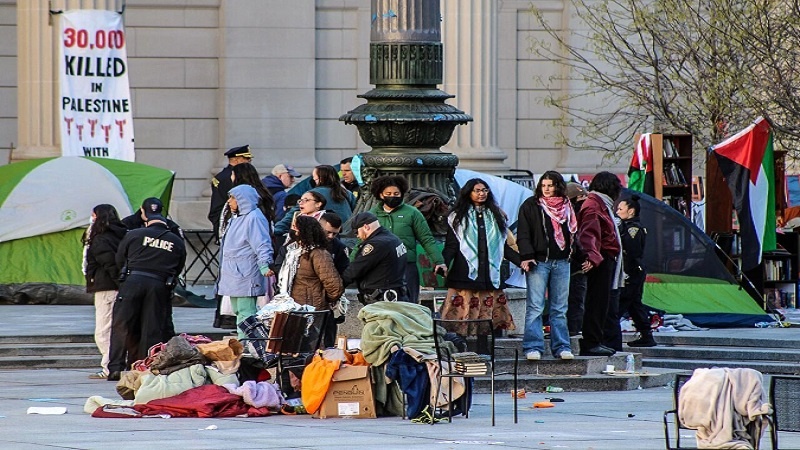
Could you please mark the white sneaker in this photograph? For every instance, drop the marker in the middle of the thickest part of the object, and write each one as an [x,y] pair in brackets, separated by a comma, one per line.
[566,354]
[533,356]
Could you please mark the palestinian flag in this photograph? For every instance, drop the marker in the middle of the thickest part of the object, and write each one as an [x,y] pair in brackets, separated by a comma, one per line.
[747,163]
[640,174]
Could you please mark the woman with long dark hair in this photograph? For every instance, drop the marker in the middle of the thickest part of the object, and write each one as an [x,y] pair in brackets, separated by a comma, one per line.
[102,274]
[474,250]
[327,182]
[546,227]
[600,241]
[308,274]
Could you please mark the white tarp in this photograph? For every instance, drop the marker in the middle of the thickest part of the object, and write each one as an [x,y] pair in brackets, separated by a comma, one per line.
[49,199]
[96,115]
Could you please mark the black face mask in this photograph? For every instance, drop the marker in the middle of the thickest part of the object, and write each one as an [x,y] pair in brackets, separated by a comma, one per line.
[312,183]
[392,202]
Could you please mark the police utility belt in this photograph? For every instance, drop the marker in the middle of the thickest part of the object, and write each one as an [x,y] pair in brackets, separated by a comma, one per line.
[168,280]
[377,295]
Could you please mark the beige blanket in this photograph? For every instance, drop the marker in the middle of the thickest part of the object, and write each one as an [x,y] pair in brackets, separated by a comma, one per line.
[719,403]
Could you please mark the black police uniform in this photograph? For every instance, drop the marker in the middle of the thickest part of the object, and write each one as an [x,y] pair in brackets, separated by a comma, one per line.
[152,258]
[633,236]
[135,221]
[379,265]
[220,185]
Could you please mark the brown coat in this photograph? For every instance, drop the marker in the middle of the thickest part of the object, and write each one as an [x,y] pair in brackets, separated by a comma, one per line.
[317,283]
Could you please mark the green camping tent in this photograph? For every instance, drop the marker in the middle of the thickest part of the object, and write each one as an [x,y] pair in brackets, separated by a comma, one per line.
[45,206]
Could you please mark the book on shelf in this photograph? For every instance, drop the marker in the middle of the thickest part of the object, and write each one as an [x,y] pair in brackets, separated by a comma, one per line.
[777,270]
[780,299]
[677,203]
[669,149]
[673,175]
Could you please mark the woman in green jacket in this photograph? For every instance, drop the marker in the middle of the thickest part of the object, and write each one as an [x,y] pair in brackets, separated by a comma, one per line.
[408,224]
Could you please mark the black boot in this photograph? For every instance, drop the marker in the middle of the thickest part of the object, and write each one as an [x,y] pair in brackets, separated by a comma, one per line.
[645,340]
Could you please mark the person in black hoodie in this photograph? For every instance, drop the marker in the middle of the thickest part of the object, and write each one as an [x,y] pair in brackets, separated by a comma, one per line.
[102,274]
[633,236]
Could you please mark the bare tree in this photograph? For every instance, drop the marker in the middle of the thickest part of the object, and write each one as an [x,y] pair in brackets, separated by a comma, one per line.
[673,65]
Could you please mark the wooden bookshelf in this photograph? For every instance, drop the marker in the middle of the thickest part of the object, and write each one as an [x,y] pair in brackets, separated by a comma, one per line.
[672,169]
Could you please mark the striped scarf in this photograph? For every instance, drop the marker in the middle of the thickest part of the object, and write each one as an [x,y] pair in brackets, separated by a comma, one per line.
[559,209]
[467,235]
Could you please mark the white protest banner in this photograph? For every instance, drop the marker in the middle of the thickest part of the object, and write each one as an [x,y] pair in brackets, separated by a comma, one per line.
[95,100]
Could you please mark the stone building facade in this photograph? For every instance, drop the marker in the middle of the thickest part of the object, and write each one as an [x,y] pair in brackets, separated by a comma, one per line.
[207,75]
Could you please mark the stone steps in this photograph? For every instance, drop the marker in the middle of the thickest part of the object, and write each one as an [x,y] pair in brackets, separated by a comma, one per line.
[765,367]
[689,351]
[50,362]
[645,378]
[49,349]
[705,352]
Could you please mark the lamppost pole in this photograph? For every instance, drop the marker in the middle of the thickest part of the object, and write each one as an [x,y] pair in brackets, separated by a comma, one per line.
[406,119]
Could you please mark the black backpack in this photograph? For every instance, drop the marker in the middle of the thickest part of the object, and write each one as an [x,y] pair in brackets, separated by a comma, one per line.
[433,205]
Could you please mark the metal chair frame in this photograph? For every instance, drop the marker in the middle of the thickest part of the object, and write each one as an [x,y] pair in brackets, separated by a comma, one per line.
[784,396]
[680,380]
[444,357]
[298,344]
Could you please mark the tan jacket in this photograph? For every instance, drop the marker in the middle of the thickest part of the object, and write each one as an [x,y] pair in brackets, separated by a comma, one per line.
[317,283]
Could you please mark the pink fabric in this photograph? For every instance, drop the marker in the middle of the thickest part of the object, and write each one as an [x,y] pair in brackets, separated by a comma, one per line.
[559,209]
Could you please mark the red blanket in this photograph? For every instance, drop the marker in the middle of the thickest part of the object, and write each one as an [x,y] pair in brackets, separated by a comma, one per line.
[203,401]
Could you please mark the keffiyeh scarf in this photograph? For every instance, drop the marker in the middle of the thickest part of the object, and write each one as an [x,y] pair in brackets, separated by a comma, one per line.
[467,235]
[559,209]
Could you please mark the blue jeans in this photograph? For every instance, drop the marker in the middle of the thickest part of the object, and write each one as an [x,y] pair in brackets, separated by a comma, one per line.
[551,277]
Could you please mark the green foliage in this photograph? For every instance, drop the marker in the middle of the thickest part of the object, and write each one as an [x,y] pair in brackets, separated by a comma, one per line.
[706,67]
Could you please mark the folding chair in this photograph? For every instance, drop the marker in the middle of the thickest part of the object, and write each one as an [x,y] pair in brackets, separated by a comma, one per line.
[293,337]
[784,395]
[680,380]
[754,428]
[477,361]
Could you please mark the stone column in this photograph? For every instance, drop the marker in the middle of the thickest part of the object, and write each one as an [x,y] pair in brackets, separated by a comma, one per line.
[469,35]
[37,80]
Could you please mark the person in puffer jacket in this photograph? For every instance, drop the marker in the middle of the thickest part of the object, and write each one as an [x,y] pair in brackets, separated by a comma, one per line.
[246,250]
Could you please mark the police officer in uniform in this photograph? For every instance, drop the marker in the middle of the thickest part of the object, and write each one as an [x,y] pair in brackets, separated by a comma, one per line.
[150,260]
[221,184]
[138,219]
[634,236]
[151,205]
[379,263]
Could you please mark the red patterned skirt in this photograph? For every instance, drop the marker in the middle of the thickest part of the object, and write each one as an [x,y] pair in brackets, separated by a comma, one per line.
[463,304]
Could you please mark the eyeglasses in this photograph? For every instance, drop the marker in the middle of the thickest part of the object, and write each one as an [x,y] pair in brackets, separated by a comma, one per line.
[480,191]
[303,200]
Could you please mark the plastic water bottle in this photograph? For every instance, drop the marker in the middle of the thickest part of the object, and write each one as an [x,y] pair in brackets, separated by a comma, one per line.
[630,364]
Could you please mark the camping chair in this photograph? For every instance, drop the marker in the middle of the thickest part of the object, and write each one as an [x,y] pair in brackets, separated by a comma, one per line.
[754,428]
[477,361]
[293,337]
[784,395]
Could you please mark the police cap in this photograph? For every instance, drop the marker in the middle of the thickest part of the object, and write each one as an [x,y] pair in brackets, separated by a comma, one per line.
[363,218]
[243,151]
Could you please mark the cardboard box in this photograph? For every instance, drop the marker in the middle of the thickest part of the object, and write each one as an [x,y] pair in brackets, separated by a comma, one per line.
[349,395]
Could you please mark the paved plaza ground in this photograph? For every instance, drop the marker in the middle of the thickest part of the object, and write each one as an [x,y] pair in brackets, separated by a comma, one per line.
[593,420]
